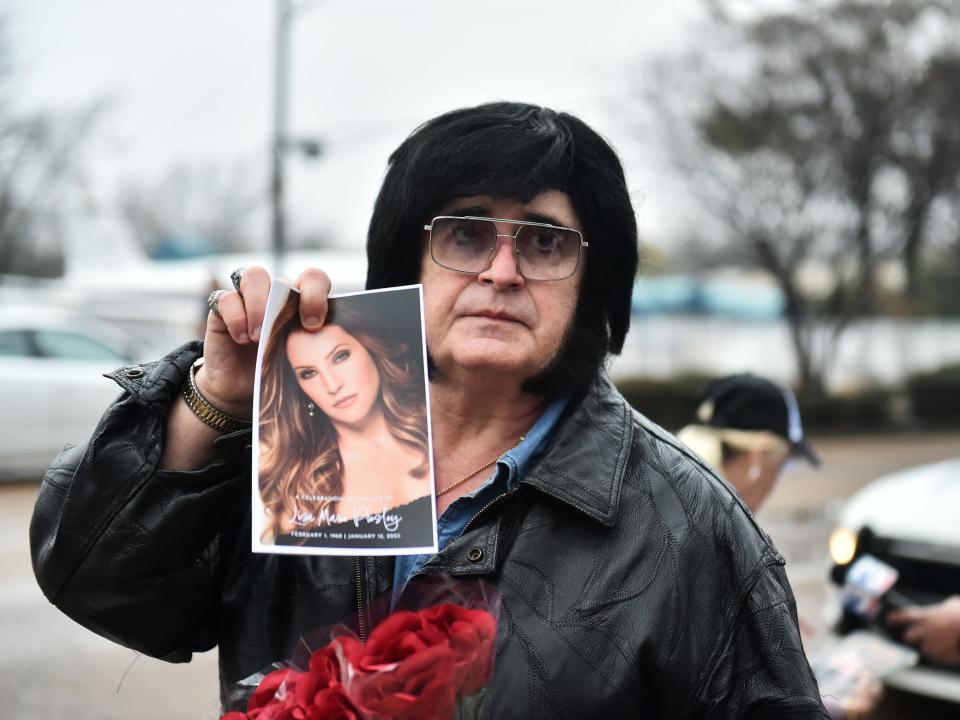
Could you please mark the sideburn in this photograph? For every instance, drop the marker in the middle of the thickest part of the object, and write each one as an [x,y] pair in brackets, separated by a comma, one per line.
[581,356]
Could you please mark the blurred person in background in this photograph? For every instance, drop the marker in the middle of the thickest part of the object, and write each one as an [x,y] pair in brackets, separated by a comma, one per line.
[750,429]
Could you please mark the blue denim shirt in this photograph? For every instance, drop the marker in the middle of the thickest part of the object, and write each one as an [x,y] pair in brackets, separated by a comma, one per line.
[511,466]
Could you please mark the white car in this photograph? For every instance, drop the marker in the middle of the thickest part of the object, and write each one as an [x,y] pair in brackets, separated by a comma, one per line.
[51,383]
[909,520]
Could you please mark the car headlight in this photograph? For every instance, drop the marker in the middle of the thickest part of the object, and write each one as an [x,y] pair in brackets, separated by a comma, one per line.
[843,545]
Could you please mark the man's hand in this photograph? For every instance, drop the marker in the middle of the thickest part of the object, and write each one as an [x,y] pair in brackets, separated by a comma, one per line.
[934,629]
[230,344]
[230,358]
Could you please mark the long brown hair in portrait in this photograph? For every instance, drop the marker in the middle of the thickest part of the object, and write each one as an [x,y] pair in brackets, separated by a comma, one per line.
[300,464]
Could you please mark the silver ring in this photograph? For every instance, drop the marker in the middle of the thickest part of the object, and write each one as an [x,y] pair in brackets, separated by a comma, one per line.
[235,278]
[213,301]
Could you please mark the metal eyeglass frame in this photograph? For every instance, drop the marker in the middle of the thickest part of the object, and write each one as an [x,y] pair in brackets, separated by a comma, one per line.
[516,250]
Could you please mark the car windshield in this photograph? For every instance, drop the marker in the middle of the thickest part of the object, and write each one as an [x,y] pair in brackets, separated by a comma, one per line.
[14,343]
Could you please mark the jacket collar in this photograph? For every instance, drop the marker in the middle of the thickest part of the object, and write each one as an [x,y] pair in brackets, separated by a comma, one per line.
[586,460]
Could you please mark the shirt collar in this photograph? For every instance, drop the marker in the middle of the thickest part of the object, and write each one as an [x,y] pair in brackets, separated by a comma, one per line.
[519,458]
[515,462]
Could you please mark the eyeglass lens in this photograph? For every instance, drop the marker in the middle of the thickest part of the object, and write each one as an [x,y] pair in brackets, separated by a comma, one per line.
[468,245]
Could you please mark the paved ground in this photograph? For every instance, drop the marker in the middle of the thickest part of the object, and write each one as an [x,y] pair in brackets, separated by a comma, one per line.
[51,668]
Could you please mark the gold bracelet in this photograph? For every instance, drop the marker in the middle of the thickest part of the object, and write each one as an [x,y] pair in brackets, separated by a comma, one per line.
[201,407]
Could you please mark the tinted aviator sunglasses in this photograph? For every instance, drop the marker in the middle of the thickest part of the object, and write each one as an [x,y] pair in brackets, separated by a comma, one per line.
[468,244]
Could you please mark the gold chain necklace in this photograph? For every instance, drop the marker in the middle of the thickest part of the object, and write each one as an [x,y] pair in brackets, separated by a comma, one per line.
[462,480]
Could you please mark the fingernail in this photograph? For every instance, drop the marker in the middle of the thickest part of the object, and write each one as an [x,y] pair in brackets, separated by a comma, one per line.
[243,339]
[312,322]
[256,333]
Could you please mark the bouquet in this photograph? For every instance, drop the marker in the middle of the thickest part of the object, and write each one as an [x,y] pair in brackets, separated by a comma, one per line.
[427,664]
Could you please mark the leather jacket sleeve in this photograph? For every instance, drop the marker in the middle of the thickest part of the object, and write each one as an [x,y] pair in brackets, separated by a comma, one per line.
[761,671]
[133,553]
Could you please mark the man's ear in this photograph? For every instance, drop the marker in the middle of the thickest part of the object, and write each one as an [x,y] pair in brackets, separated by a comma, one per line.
[755,465]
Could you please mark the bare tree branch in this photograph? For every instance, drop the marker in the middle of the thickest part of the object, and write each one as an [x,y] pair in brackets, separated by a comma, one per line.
[820,131]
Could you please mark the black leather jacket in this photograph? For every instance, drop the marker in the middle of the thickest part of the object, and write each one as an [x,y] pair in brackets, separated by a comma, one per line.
[634,582]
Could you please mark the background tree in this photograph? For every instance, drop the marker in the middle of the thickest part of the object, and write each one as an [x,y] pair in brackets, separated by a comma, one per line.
[41,178]
[925,149]
[818,132]
[208,204]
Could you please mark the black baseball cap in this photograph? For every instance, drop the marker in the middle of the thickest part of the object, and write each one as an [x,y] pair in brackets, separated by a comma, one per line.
[751,403]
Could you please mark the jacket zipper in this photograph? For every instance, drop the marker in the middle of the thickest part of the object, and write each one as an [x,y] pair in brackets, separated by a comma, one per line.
[480,512]
[361,609]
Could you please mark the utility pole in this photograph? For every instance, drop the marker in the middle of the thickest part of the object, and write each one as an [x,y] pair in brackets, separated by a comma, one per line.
[281,54]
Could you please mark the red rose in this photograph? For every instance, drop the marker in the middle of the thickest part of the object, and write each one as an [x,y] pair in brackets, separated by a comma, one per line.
[349,652]
[415,664]
[323,673]
[401,635]
[471,634]
[419,688]
[331,704]
[279,683]
[413,667]
[324,663]
[274,711]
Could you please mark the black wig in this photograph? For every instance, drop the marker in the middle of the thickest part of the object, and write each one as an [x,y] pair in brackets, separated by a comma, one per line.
[515,150]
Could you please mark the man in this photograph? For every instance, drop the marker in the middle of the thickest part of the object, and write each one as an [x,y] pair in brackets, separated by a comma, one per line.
[633,582]
[747,428]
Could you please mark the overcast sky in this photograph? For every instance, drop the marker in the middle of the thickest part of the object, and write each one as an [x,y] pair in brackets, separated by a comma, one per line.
[191,80]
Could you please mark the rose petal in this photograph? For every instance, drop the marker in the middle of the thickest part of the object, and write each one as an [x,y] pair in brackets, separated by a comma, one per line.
[419,688]
[279,682]
[332,704]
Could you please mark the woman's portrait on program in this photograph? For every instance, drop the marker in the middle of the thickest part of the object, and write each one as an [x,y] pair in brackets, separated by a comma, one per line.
[343,444]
